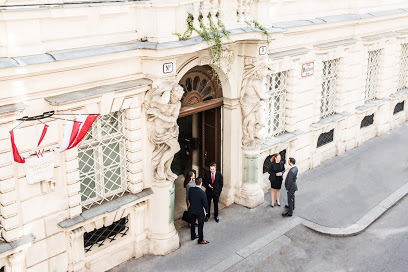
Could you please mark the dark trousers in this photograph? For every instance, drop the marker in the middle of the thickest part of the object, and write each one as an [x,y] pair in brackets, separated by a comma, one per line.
[215,198]
[200,219]
[291,202]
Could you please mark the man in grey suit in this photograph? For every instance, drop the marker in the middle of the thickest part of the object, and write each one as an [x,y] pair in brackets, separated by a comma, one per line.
[291,187]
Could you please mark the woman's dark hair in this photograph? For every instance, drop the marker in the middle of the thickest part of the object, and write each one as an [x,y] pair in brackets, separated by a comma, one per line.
[188,178]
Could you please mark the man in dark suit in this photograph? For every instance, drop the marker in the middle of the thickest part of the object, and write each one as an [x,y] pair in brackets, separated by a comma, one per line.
[291,187]
[198,202]
[213,183]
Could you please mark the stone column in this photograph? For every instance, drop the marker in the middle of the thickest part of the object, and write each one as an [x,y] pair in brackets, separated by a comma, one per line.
[163,235]
[17,262]
[73,182]
[162,110]
[9,193]
[134,152]
[253,95]
[232,130]
[76,251]
[251,194]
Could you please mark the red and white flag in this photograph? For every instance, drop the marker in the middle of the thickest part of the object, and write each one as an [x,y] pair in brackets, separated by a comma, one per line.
[21,159]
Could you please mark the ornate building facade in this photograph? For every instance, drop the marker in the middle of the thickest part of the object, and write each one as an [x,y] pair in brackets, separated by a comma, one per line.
[309,79]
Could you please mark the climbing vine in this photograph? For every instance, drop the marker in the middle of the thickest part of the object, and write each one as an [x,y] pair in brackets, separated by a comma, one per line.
[213,36]
[257,25]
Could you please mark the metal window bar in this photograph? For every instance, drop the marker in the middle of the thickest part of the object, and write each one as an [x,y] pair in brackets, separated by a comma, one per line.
[102,160]
[399,107]
[329,83]
[325,138]
[276,103]
[367,121]
[105,234]
[402,81]
[372,74]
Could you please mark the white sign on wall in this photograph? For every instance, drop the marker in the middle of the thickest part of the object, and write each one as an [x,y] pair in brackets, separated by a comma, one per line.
[307,69]
[168,68]
[39,168]
[262,50]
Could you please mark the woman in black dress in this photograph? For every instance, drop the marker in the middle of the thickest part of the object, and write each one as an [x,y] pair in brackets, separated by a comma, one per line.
[276,170]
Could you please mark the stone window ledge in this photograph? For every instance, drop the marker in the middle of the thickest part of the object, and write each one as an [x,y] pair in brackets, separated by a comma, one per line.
[329,120]
[399,93]
[370,105]
[16,245]
[335,44]
[96,91]
[294,52]
[106,207]
[279,139]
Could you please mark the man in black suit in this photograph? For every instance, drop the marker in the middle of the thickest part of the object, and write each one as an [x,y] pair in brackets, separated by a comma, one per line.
[198,202]
[213,183]
[291,186]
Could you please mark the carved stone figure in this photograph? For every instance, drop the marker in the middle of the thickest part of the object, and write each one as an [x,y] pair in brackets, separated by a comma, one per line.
[163,107]
[253,94]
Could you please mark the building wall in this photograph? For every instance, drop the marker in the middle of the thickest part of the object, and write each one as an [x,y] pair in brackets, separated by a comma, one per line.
[52,211]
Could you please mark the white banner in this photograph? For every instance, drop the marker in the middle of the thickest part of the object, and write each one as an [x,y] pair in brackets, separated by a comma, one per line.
[39,169]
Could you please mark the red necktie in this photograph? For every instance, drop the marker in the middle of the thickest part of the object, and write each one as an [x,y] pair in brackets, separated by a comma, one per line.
[212,178]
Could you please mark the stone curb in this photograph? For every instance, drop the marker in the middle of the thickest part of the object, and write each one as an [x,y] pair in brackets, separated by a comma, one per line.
[362,224]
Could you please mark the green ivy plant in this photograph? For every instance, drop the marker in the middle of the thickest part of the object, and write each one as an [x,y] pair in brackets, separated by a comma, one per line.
[257,25]
[213,36]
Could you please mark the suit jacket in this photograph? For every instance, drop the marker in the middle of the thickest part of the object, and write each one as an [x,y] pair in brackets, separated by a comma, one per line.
[218,183]
[290,181]
[198,201]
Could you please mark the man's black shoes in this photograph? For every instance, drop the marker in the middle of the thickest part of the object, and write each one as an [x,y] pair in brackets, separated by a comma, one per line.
[286,206]
[217,219]
[286,214]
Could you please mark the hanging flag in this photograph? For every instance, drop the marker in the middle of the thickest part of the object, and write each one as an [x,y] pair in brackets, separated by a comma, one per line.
[85,126]
[71,132]
[38,142]
[16,154]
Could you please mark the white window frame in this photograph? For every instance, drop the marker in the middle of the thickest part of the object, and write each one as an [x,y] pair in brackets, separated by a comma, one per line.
[97,142]
[275,116]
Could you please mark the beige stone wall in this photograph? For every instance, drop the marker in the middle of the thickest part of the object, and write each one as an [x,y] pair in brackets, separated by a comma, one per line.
[39,208]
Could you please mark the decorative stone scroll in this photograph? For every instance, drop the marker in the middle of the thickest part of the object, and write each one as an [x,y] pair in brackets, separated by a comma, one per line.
[162,108]
[253,94]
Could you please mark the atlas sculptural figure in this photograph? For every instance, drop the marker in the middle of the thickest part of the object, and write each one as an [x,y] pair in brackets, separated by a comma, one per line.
[162,111]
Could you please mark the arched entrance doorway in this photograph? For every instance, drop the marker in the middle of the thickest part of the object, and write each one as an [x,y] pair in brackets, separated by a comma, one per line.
[199,128]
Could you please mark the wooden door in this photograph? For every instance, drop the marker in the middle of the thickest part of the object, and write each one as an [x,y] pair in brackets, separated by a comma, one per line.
[211,138]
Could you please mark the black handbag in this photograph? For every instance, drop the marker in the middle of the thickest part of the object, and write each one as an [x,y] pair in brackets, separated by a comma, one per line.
[187,217]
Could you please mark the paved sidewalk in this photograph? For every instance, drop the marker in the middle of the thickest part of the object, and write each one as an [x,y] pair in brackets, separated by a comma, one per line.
[343,191]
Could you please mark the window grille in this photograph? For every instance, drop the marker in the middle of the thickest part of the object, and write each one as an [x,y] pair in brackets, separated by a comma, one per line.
[102,163]
[399,107]
[106,234]
[325,138]
[329,83]
[367,121]
[372,74]
[276,103]
[403,68]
